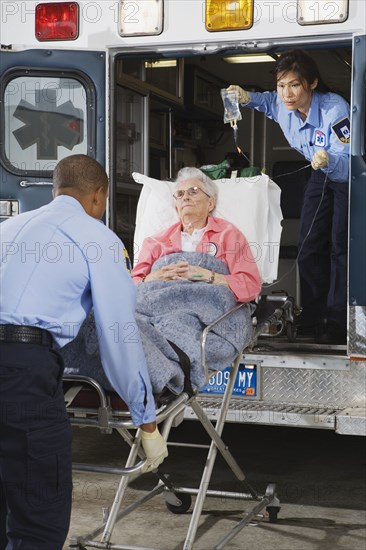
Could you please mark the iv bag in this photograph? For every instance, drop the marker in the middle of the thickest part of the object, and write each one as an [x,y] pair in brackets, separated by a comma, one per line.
[231,105]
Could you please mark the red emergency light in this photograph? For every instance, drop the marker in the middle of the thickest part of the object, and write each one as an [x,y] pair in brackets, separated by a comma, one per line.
[57,21]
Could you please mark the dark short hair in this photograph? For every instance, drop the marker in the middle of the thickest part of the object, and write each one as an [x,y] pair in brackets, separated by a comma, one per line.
[302,64]
[81,173]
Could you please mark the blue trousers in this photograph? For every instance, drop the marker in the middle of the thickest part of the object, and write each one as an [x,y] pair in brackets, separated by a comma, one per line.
[323,251]
[35,447]
[3,539]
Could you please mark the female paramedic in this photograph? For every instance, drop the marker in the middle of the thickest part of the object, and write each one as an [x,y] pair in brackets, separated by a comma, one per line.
[316,123]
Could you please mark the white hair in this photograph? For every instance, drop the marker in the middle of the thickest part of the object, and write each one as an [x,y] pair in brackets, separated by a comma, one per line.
[191,173]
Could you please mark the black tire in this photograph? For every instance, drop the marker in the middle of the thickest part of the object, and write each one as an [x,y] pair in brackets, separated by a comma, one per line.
[186,501]
[273,513]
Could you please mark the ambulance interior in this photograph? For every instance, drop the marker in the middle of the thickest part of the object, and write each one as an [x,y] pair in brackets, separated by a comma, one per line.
[169,114]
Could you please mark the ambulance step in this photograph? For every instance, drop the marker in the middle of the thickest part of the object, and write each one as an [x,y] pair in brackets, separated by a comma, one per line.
[283,414]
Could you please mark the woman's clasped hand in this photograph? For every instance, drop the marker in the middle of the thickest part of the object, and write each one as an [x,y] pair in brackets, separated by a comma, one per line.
[180,271]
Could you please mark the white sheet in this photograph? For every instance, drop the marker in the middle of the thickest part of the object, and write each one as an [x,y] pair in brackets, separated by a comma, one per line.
[252,204]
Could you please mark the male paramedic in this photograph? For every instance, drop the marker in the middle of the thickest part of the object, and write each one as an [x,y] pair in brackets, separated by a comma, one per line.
[57,262]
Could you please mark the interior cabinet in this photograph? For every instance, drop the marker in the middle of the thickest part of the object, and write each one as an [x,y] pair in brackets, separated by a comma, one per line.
[202,91]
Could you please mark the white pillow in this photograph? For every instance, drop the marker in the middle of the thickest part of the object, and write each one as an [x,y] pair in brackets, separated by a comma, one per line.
[252,204]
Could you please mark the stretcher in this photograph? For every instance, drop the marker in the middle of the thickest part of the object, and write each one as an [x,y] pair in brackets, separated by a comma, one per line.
[89,404]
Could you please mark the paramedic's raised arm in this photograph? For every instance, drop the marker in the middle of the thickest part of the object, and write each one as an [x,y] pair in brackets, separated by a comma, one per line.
[265,102]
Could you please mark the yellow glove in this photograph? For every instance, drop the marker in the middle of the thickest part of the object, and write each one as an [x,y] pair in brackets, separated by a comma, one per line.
[155,449]
[320,159]
[243,96]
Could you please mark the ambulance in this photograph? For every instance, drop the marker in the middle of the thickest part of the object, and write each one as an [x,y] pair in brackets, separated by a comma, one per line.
[136,85]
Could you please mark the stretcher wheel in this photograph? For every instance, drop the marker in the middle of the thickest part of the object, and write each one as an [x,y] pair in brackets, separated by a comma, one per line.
[186,501]
[273,513]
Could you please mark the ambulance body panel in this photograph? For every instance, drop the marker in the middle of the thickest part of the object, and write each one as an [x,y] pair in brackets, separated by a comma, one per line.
[105,91]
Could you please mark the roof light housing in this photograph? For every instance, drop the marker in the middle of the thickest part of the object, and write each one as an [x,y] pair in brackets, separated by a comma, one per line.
[57,21]
[140,17]
[321,12]
[226,15]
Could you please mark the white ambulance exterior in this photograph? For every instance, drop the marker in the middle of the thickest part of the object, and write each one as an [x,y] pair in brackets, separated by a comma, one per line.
[136,85]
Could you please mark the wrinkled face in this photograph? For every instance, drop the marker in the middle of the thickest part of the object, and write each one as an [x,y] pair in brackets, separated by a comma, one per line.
[295,94]
[191,199]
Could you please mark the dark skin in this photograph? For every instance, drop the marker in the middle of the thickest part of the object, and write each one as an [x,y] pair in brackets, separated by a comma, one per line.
[94,204]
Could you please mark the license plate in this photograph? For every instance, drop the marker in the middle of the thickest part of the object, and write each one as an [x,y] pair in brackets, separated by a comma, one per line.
[245,382]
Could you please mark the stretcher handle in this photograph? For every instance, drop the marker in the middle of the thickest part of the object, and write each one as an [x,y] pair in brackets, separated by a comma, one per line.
[87,380]
[106,420]
[108,469]
[208,329]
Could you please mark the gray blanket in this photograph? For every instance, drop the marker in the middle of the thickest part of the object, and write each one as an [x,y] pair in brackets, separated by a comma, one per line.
[174,311]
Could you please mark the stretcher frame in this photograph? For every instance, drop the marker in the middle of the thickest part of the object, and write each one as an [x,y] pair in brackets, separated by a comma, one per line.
[169,415]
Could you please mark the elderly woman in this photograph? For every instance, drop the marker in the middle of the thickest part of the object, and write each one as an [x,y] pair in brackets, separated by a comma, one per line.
[198,230]
[189,276]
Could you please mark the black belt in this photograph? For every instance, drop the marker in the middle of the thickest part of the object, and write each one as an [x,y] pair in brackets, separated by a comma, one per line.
[26,335]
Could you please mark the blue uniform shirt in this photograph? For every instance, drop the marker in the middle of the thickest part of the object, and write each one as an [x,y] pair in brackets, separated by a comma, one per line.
[56,263]
[326,127]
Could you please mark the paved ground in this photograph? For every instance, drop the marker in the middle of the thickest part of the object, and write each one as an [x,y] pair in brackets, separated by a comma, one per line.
[320,478]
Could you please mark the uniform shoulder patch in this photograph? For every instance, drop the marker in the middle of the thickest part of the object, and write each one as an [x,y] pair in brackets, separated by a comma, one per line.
[127,260]
[342,130]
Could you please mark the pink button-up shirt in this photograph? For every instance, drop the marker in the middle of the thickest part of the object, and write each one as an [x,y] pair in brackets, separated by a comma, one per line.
[221,239]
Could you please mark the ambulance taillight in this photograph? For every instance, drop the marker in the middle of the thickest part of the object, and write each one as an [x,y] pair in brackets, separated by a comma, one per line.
[57,21]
